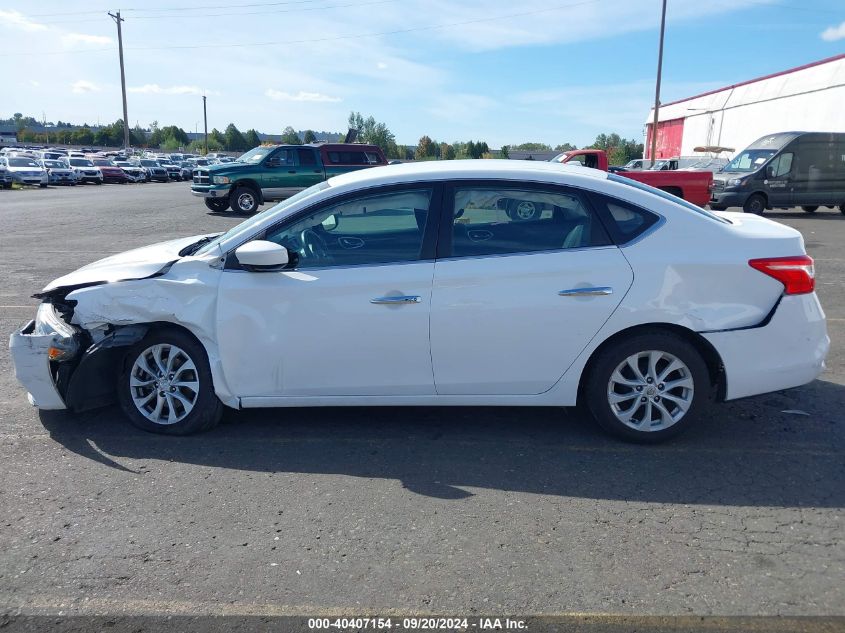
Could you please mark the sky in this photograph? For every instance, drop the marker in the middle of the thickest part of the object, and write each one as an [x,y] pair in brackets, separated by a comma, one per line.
[505,72]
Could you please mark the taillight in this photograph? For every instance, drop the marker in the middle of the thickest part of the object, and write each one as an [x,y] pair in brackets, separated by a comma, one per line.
[797,273]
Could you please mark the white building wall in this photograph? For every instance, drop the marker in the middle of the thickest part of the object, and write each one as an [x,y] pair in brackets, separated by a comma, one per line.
[812,100]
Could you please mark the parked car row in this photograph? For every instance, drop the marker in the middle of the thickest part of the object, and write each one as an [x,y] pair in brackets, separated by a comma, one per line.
[54,166]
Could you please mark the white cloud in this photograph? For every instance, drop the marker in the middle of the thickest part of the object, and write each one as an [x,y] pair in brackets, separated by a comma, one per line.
[834,33]
[17,20]
[498,24]
[71,39]
[278,95]
[82,86]
[34,83]
[381,65]
[155,89]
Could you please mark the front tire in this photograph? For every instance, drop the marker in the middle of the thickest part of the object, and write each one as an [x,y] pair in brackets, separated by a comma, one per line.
[244,200]
[217,204]
[647,388]
[810,208]
[166,385]
[755,204]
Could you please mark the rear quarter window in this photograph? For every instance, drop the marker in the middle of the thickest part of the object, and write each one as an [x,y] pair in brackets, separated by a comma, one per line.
[624,221]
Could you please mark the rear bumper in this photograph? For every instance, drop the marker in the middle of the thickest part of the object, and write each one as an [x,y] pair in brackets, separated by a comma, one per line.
[787,352]
[32,367]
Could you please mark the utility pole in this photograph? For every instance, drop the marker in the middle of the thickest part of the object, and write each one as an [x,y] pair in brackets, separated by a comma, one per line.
[657,89]
[118,20]
[205,124]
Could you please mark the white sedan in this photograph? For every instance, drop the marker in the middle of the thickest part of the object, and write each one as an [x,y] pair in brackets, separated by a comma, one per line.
[423,284]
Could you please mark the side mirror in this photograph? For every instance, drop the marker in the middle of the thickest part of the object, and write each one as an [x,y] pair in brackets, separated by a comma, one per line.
[272,162]
[770,171]
[262,256]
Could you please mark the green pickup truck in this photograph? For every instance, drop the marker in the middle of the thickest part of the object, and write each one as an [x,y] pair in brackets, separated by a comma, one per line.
[276,172]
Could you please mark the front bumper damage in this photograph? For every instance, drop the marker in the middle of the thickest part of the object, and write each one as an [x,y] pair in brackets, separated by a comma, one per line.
[33,368]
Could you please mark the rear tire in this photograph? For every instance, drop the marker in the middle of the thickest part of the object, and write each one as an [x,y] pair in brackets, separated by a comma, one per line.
[647,388]
[217,204]
[244,200]
[166,385]
[755,204]
[717,207]
[810,208]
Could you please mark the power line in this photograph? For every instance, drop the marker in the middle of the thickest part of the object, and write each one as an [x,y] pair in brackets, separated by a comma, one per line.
[238,13]
[287,42]
[187,8]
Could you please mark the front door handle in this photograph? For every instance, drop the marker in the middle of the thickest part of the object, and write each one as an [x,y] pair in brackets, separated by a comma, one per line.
[586,292]
[396,300]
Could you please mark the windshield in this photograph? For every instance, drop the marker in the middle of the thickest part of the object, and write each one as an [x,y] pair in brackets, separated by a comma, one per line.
[245,226]
[149,163]
[254,155]
[749,160]
[22,162]
[101,162]
[666,196]
[81,162]
[54,164]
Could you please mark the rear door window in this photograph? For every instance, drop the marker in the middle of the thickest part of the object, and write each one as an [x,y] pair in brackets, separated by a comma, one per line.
[493,220]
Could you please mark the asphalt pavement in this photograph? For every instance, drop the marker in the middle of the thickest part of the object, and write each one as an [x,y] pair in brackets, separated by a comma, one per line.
[405,510]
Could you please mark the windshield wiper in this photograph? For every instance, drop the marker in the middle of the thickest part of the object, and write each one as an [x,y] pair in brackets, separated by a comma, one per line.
[190,249]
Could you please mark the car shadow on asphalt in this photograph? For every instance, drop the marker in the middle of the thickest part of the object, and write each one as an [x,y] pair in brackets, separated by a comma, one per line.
[783,449]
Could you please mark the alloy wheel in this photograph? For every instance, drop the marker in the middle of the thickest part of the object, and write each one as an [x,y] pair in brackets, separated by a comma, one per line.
[650,391]
[164,384]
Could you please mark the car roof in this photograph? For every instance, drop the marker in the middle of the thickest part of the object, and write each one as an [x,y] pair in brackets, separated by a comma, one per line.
[469,170]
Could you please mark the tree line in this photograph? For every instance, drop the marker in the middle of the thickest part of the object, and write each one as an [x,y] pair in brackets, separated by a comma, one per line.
[231,139]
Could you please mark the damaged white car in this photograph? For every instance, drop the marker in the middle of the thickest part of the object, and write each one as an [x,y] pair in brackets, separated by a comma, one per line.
[422,285]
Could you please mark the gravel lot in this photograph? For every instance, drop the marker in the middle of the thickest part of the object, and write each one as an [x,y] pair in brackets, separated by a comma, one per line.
[430,510]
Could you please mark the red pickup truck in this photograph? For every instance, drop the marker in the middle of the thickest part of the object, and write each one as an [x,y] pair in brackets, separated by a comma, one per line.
[692,186]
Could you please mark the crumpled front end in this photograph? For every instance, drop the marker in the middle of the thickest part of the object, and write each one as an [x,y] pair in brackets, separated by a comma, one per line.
[38,351]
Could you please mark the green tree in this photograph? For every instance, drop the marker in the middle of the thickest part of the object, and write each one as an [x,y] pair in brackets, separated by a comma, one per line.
[235,141]
[447,152]
[102,137]
[137,137]
[618,148]
[565,147]
[505,151]
[533,147]
[309,136]
[216,139]
[374,132]
[171,144]
[425,148]
[82,136]
[252,139]
[290,137]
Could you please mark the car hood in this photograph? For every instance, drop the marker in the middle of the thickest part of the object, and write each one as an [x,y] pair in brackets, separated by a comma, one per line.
[230,167]
[17,168]
[135,264]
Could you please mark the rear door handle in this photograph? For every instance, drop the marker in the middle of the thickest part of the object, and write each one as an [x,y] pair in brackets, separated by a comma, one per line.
[586,292]
[396,300]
